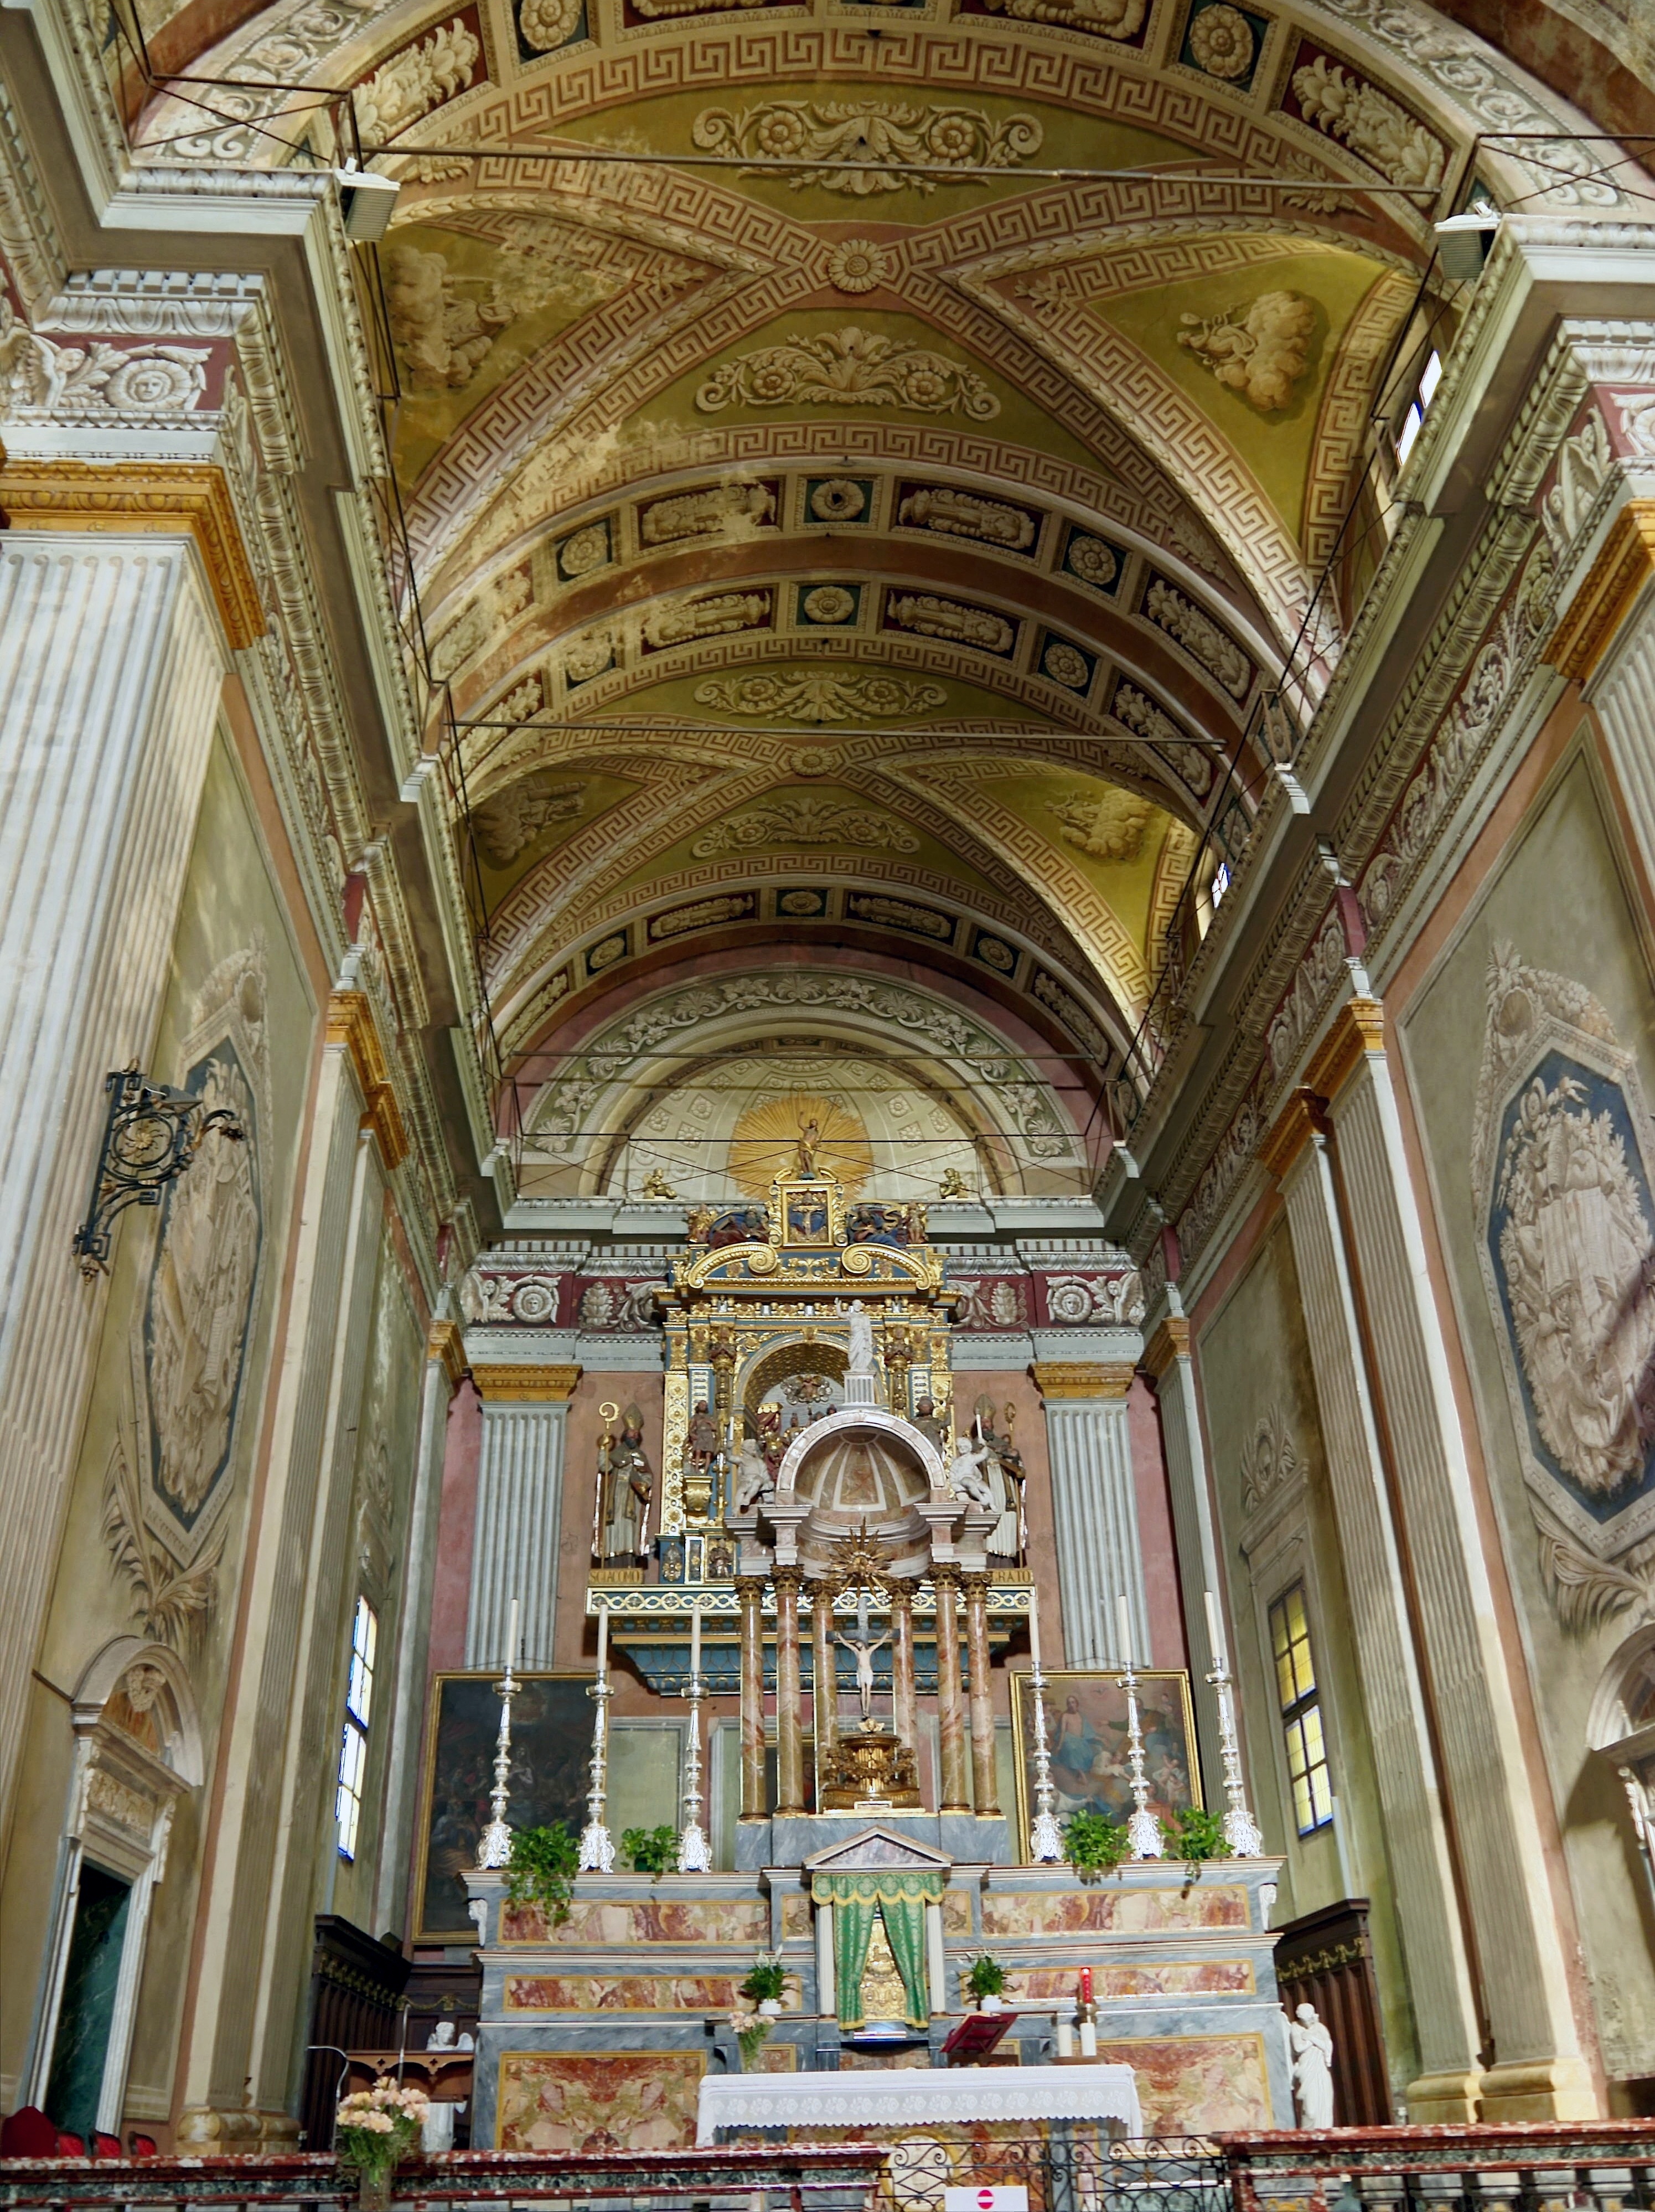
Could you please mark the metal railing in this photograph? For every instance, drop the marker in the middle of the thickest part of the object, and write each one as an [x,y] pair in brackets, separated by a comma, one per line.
[1605,2166]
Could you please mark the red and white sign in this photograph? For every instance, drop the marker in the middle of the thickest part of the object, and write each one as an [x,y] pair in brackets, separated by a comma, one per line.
[985,2200]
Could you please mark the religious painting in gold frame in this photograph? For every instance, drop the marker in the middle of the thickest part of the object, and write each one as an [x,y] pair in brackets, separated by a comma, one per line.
[552,1745]
[1087,1738]
[807,1214]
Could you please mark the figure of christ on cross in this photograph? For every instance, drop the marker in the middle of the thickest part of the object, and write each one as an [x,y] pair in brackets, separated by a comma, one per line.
[863,1647]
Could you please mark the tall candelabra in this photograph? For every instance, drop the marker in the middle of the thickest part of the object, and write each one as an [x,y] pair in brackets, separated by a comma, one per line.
[1045,1838]
[1143,1829]
[694,1857]
[1241,1832]
[597,1851]
[494,1845]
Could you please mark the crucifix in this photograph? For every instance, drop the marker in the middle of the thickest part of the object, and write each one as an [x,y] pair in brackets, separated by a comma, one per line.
[862,1646]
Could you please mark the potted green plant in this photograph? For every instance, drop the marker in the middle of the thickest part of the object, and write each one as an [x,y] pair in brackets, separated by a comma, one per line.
[1194,1835]
[985,1979]
[1094,1845]
[766,1984]
[653,1851]
[374,2130]
[543,1864]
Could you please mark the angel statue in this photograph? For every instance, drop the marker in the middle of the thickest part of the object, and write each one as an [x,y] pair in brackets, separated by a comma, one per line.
[862,1647]
[962,1477]
[752,1479]
[860,1349]
[954,1185]
[655,1185]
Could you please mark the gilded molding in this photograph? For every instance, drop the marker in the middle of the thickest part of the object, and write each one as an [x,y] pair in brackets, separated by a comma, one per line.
[1084,1378]
[1359,1027]
[1291,1130]
[446,1341]
[1171,1341]
[158,498]
[524,1386]
[350,1024]
[1606,597]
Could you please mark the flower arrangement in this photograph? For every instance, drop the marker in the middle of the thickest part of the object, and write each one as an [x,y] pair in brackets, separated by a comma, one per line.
[985,1977]
[375,2129]
[751,2033]
[767,1982]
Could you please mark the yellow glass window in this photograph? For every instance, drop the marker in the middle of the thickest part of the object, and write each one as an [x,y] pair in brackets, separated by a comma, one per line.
[1301,1711]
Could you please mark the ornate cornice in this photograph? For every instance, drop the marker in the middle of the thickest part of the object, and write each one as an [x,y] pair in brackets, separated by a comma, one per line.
[1084,1378]
[1608,595]
[525,1386]
[350,1024]
[143,498]
[1171,1341]
[444,1340]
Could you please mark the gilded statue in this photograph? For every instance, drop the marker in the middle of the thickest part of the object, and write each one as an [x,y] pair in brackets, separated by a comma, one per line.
[625,1488]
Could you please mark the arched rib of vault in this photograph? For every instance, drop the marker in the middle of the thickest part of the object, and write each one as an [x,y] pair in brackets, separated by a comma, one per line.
[967,1052]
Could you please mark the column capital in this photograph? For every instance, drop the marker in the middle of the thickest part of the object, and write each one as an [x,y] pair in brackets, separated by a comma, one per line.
[1171,1341]
[1300,1121]
[350,1024]
[945,1574]
[1359,1029]
[446,1341]
[173,499]
[751,1588]
[525,1386]
[1084,1378]
[1607,594]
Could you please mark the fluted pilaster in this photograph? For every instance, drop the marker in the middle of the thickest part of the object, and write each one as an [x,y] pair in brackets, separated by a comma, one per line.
[520,1492]
[1094,1509]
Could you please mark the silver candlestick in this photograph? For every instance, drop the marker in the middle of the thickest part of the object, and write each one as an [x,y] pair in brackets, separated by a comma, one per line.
[1143,1829]
[597,1851]
[694,1856]
[494,1845]
[1241,1832]
[1045,1838]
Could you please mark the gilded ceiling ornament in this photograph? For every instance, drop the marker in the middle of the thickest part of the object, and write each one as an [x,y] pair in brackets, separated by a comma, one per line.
[1146,720]
[1261,351]
[764,1142]
[586,550]
[968,515]
[840,499]
[802,818]
[682,621]
[858,265]
[1066,664]
[1110,827]
[1200,637]
[421,77]
[809,760]
[720,510]
[849,368]
[519,705]
[1368,121]
[547,24]
[932,616]
[829,602]
[1093,561]
[1106,18]
[1221,42]
[869,133]
[589,656]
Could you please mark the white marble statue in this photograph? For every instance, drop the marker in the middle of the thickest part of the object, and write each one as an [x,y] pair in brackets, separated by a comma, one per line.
[860,1348]
[437,2129]
[1312,2062]
[964,1479]
[863,1647]
[752,1479]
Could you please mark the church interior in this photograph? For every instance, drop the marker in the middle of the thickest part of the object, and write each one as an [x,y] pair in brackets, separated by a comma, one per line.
[827,972]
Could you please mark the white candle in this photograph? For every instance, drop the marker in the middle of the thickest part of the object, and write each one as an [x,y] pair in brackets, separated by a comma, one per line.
[511,1639]
[695,1639]
[603,1638]
[1034,1628]
[1125,1620]
[1213,1637]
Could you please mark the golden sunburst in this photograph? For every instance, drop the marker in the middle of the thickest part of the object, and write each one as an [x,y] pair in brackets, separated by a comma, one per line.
[765,1142]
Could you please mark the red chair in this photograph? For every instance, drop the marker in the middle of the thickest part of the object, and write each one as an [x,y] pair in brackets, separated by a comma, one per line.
[104,2145]
[70,2146]
[27,2133]
[139,2146]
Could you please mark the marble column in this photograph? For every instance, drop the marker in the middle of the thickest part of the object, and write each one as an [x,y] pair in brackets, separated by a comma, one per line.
[1416,1837]
[789,1759]
[519,1494]
[984,1781]
[903,1701]
[111,664]
[1094,1507]
[824,1699]
[936,1959]
[1166,1355]
[826,2000]
[950,1718]
[1540,2072]
[749,1593]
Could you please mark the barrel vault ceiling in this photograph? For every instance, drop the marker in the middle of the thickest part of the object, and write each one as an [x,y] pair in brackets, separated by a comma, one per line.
[872,566]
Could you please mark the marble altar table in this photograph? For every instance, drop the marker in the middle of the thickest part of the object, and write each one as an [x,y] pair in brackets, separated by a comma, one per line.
[920,2097]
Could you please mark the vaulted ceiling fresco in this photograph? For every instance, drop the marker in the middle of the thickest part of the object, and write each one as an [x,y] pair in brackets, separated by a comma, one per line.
[856,580]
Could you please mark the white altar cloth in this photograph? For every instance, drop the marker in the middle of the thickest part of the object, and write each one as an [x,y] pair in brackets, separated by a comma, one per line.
[911,2097]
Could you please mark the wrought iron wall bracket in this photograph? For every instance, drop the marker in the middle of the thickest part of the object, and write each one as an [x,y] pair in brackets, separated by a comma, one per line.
[150,1136]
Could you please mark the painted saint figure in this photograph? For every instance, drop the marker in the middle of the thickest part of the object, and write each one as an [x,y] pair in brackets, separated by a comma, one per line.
[626,1487]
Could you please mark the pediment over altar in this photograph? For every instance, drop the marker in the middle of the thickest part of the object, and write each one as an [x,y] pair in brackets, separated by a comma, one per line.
[877,1849]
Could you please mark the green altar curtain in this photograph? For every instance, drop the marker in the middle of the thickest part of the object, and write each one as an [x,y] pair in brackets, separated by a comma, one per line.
[900,1896]
[853,1931]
